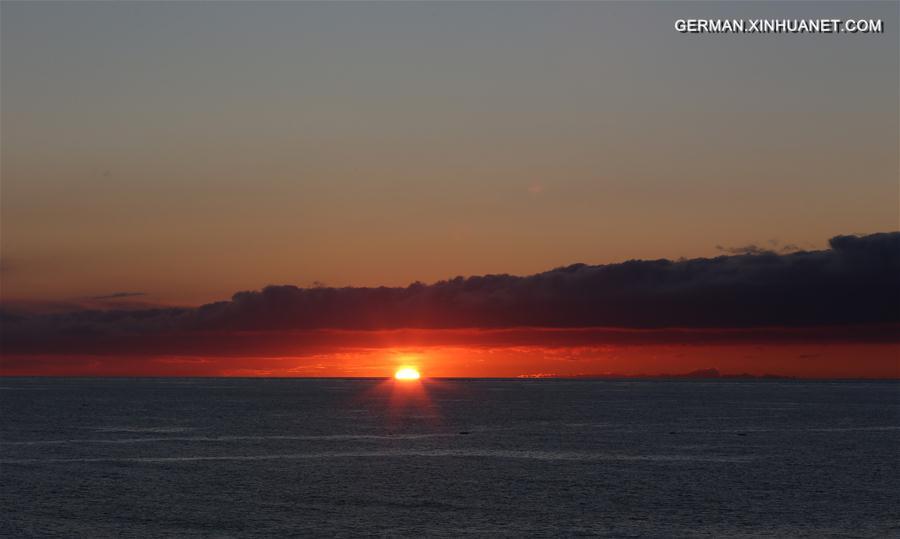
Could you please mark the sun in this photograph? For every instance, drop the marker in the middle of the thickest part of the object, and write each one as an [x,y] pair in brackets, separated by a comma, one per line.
[407,373]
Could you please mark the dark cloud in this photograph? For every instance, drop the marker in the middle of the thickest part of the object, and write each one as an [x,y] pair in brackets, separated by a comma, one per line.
[120,295]
[25,308]
[855,283]
[750,249]
[775,246]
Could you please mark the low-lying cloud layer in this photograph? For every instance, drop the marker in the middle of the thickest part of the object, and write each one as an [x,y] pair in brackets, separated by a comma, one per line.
[854,283]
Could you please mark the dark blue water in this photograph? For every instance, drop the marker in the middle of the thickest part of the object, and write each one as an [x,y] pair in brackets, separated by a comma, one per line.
[236,458]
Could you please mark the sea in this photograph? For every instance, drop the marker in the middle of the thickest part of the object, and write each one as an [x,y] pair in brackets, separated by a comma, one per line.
[199,457]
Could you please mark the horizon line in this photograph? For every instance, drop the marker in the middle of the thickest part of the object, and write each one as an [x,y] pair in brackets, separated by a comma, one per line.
[584,378]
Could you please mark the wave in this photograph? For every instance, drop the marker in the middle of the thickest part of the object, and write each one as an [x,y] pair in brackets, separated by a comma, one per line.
[215,439]
[461,453]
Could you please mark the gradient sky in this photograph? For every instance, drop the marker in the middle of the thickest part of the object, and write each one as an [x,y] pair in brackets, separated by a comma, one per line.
[189,150]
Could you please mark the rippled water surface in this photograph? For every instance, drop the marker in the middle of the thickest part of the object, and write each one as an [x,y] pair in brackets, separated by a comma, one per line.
[227,457]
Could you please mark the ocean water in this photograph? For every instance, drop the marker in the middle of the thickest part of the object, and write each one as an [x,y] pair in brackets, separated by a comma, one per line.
[625,458]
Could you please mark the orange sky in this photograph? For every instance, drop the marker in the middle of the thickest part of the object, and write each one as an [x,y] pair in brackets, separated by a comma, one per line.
[155,148]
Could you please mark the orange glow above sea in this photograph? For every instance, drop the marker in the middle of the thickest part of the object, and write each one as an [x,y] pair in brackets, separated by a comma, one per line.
[382,356]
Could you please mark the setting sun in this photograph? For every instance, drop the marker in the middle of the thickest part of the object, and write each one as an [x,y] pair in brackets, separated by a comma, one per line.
[407,373]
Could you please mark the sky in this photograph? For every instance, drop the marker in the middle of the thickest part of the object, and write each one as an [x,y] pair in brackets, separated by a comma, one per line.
[172,154]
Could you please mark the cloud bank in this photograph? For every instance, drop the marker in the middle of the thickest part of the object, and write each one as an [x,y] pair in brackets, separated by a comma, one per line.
[855,283]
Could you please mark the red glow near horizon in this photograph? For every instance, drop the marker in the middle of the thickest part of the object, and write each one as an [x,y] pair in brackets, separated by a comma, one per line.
[473,354]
